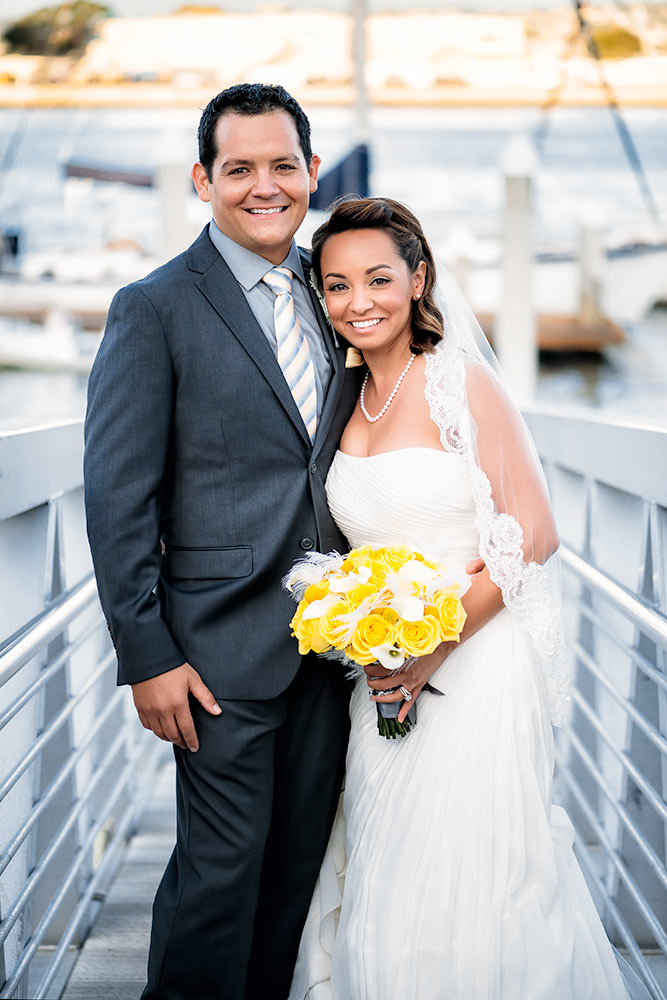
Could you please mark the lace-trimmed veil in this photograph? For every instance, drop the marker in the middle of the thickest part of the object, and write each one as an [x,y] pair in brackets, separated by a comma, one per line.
[477,418]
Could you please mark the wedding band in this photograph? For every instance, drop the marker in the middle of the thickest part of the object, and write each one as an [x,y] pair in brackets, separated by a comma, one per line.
[406,694]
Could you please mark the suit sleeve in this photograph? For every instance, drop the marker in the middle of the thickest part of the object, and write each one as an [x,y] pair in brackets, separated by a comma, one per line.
[128,420]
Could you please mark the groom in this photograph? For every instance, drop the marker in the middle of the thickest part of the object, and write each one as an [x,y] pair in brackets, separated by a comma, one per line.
[216,403]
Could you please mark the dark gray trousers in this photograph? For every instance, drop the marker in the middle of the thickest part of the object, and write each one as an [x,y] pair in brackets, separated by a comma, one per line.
[255,806]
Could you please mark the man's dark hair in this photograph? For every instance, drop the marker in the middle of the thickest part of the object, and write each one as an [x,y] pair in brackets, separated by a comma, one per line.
[249,99]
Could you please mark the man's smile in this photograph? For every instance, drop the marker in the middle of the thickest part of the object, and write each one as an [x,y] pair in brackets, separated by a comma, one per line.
[267,211]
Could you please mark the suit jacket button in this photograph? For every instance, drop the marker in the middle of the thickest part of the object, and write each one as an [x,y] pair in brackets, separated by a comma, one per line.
[313,468]
[306,542]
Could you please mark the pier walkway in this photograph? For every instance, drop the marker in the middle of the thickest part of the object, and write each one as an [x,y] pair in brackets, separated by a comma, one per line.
[86,820]
[112,963]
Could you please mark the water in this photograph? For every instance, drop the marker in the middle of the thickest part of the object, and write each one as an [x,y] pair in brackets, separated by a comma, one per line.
[443,162]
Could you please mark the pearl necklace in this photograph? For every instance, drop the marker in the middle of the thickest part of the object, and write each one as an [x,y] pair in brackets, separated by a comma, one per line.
[362,404]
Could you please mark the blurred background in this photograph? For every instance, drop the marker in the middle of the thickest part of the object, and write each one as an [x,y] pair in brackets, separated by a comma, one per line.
[529,137]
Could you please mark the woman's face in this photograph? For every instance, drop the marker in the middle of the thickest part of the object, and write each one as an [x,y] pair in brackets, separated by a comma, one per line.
[369,289]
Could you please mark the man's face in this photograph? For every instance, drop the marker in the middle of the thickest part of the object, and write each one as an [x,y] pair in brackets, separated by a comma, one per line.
[260,182]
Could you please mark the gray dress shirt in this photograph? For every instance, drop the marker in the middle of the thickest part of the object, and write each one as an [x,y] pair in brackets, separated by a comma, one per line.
[249,268]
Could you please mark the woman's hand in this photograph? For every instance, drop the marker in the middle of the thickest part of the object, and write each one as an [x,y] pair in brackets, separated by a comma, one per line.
[481,601]
[411,677]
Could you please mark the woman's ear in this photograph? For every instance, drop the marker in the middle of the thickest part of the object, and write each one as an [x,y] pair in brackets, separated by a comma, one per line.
[419,280]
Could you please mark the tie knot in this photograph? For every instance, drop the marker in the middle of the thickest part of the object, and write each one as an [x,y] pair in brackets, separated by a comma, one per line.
[279,280]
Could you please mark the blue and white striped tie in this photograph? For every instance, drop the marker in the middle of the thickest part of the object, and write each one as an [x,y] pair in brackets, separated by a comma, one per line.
[293,351]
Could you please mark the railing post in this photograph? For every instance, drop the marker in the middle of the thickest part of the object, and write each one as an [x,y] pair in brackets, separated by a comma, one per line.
[514,334]
[71,752]
[592,262]
[174,190]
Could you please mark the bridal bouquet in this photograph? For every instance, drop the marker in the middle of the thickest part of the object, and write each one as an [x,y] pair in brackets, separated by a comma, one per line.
[384,605]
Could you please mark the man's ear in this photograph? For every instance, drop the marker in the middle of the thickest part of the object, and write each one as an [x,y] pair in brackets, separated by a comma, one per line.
[200,181]
[312,172]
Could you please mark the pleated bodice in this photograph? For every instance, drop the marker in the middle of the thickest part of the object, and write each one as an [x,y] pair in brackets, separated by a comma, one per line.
[418,497]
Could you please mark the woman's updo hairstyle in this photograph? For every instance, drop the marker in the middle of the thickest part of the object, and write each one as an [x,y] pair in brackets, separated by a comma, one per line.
[412,246]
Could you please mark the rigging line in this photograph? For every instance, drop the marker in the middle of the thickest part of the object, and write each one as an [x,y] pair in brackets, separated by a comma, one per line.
[552,97]
[12,148]
[625,136]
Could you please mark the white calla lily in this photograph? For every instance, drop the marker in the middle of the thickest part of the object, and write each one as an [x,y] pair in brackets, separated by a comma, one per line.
[388,656]
[343,584]
[408,607]
[320,607]
[415,573]
[404,601]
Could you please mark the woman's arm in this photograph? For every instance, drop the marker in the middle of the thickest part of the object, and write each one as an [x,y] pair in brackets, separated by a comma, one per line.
[506,455]
[481,601]
[508,458]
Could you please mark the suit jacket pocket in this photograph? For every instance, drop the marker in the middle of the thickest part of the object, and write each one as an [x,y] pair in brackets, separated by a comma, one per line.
[207,564]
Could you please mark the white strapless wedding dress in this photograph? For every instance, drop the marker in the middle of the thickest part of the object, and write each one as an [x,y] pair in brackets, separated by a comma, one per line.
[451,875]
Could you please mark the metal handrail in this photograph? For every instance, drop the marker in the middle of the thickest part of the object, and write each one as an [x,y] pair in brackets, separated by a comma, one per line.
[111,859]
[646,618]
[651,857]
[651,624]
[21,647]
[660,680]
[62,716]
[651,733]
[47,673]
[36,874]
[619,920]
[619,864]
[57,783]
[60,896]
[53,727]
[636,775]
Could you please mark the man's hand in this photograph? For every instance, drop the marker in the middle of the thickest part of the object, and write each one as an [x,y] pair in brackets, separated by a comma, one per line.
[162,705]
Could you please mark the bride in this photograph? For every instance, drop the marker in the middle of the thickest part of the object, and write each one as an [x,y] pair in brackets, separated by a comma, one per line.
[460,882]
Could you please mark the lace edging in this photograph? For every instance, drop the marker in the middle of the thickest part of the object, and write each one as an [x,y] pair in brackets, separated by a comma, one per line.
[525,586]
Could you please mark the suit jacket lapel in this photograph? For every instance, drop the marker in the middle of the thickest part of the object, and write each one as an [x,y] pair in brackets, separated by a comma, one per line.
[336,352]
[218,285]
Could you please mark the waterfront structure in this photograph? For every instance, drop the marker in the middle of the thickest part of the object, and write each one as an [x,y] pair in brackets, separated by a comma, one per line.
[435,55]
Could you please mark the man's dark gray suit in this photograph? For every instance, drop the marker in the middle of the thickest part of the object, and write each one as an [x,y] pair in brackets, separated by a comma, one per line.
[195,446]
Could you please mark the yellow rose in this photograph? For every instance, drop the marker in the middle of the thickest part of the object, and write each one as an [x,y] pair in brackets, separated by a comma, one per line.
[308,633]
[392,557]
[362,556]
[419,638]
[371,631]
[451,614]
[334,624]
[360,593]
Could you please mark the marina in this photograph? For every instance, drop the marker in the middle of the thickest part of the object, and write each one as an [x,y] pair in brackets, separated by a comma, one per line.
[548,228]
[79,239]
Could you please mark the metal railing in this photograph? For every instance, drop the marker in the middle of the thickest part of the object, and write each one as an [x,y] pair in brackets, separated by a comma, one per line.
[609,487]
[75,764]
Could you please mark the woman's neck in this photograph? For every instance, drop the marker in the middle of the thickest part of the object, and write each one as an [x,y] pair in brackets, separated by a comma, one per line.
[387,364]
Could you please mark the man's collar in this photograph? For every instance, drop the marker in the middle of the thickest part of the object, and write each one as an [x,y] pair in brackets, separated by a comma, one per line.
[247,267]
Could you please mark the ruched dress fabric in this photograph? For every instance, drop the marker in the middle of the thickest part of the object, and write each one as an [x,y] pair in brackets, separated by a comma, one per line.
[450,874]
